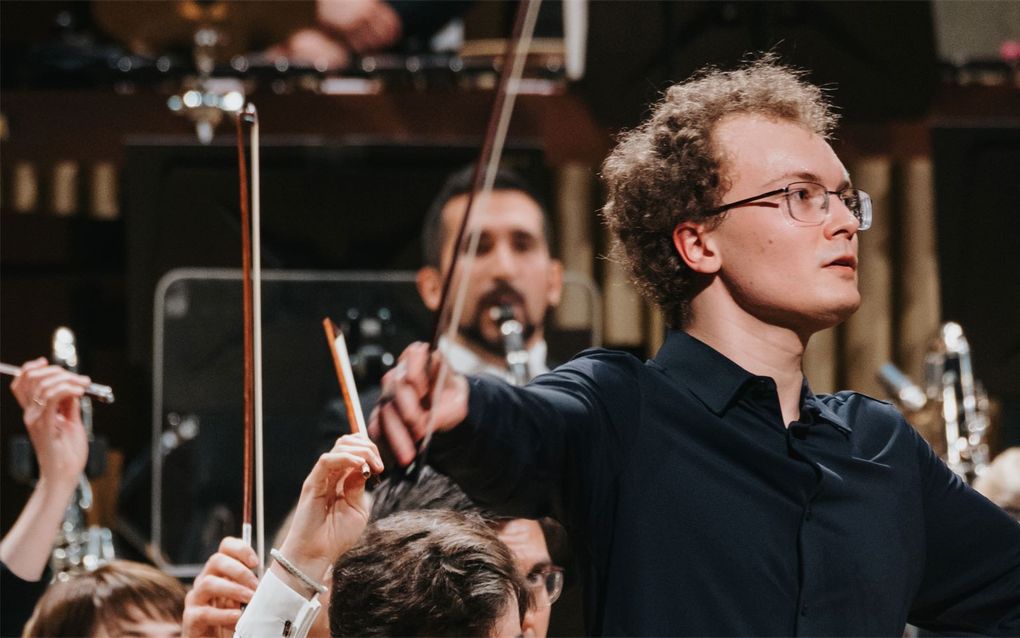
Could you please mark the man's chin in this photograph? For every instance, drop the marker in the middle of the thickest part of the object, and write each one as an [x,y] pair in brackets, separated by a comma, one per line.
[835,314]
[848,306]
[483,339]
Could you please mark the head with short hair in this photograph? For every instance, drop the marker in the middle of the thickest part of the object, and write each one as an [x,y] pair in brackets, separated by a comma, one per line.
[435,233]
[528,540]
[513,269]
[115,599]
[427,573]
[670,170]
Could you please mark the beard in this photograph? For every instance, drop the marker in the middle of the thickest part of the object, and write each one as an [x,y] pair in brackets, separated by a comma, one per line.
[502,294]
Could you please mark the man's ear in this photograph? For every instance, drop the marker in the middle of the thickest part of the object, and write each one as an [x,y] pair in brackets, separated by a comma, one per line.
[695,243]
[554,287]
[430,286]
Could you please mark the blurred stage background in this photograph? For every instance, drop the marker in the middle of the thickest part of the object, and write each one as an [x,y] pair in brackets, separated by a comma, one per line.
[105,188]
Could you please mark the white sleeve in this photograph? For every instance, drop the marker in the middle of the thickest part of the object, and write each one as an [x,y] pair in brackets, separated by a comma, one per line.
[277,610]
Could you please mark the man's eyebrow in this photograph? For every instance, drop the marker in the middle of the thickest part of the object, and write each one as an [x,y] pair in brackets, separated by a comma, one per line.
[519,233]
[484,233]
[537,567]
[808,176]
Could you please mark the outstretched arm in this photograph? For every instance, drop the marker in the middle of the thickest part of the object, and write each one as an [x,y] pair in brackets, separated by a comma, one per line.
[545,449]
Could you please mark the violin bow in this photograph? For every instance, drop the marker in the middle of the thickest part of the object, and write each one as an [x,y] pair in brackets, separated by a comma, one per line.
[345,376]
[251,265]
[484,176]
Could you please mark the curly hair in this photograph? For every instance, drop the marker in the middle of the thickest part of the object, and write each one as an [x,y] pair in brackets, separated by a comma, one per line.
[425,573]
[668,170]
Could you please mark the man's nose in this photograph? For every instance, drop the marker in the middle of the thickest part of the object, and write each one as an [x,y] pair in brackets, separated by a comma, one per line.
[503,261]
[529,620]
[841,219]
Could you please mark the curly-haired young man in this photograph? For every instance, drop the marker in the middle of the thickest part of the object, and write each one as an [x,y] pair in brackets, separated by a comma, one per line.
[711,492]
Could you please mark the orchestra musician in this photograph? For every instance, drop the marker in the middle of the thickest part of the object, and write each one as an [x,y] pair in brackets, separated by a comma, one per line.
[432,573]
[516,272]
[226,583]
[441,573]
[529,542]
[515,269]
[709,490]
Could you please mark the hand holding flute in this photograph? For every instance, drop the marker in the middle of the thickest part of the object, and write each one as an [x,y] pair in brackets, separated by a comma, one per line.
[103,393]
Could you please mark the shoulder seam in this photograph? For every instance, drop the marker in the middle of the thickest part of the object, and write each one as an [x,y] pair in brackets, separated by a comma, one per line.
[842,394]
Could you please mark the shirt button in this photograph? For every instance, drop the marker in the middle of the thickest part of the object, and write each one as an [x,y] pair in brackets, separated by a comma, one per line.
[803,609]
[807,513]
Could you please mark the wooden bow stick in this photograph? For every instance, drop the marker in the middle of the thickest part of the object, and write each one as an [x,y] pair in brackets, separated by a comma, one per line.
[345,376]
[251,264]
[485,168]
[448,319]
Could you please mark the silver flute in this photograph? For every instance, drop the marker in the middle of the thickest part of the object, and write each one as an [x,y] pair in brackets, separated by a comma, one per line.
[949,378]
[512,332]
[103,393]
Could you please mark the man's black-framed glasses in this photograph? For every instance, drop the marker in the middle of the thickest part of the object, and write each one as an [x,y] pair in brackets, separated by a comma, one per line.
[808,203]
[548,580]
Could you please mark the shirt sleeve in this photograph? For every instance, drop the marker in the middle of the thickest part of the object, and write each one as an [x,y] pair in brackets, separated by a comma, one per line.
[20,597]
[277,610]
[550,448]
[971,577]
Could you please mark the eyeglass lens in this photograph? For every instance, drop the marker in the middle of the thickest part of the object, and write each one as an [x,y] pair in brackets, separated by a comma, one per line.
[809,202]
[551,582]
[554,585]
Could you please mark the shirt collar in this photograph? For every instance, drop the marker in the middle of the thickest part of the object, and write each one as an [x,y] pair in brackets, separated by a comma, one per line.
[713,378]
[466,361]
[819,410]
[717,381]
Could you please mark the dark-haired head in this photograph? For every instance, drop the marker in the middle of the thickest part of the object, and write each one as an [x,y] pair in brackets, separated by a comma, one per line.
[435,231]
[513,266]
[427,573]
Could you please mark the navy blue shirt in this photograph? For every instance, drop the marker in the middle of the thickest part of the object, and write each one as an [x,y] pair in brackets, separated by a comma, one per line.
[699,513]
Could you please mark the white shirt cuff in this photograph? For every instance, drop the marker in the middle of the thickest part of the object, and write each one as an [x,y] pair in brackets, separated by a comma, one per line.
[277,610]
